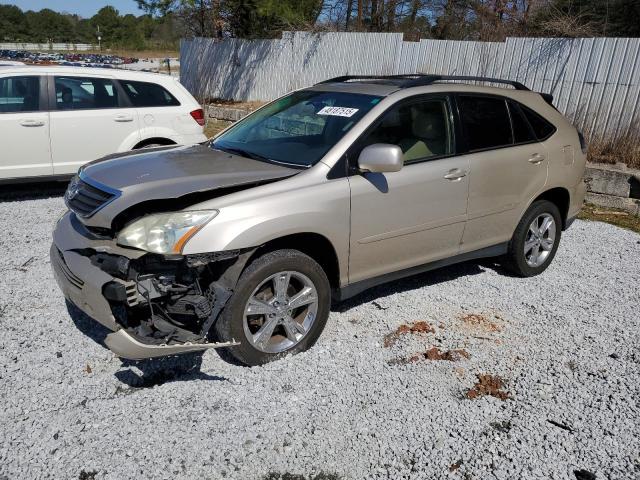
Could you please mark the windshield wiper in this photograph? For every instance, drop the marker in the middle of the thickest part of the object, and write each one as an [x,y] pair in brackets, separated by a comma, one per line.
[256,156]
[243,153]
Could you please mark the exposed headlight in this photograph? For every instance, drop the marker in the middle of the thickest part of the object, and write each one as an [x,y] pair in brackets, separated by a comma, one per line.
[164,232]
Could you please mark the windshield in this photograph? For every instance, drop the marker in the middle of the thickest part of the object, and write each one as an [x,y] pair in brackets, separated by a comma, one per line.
[298,129]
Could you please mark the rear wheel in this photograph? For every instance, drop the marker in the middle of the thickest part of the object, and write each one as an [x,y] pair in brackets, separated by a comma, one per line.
[280,307]
[536,240]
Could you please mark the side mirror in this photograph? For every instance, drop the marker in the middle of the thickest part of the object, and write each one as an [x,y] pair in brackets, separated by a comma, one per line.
[380,158]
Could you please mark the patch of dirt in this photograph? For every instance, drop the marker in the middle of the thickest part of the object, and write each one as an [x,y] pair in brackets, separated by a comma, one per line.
[455,466]
[418,327]
[488,385]
[481,322]
[436,354]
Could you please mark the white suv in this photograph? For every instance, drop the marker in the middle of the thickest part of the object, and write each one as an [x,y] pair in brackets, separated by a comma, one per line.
[55,119]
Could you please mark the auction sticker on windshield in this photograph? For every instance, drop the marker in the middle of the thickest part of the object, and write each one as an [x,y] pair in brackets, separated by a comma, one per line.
[338,111]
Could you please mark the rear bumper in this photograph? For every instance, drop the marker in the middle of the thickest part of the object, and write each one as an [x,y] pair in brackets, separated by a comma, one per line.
[82,283]
[577,200]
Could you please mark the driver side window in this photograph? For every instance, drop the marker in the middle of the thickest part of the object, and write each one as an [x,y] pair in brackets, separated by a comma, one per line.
[421,129]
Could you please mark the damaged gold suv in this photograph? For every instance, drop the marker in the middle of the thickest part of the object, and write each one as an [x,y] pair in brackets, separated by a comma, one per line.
[242,243]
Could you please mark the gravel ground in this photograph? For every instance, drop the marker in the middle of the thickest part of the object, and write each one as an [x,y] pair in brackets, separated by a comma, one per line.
[565,343]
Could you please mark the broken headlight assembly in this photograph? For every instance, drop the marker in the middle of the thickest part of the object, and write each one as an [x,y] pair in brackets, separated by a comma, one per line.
[164,233]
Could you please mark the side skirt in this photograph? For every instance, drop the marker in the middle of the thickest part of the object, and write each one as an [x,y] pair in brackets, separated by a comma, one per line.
[355,288]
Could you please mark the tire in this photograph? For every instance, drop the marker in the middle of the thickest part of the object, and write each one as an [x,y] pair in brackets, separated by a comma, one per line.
[259,283]
[151,145]
[525,263]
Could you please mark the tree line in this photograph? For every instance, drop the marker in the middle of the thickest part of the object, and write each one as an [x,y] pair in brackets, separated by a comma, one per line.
[488,20]
[117,31]
[163,22]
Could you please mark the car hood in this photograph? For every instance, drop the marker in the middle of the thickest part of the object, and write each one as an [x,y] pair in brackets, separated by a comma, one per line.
[167,174]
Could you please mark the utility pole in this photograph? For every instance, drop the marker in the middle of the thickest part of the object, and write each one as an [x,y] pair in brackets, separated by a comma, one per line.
[99,39]
[359,15]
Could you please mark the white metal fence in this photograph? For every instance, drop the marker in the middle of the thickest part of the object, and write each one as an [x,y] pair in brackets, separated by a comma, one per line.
[46,47]
[595,81]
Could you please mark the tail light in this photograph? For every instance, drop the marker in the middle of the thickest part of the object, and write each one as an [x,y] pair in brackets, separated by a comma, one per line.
[198,116]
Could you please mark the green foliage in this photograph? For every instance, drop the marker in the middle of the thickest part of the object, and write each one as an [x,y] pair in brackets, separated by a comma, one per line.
[117,31]
[166,21]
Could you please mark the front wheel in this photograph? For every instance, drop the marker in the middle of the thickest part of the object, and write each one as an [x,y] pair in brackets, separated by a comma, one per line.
[536,240]
[280,307]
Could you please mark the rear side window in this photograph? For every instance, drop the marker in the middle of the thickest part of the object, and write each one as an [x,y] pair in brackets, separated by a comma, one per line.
[85,93]
[485,121]
[144,94]
[541,127]
[19,94]
[522,132]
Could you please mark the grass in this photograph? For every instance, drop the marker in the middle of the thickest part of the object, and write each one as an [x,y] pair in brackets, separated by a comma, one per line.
[215,126]
[614,216]
[623,149]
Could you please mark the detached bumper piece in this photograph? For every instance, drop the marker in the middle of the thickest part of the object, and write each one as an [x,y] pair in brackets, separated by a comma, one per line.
[155,305]
[125,346]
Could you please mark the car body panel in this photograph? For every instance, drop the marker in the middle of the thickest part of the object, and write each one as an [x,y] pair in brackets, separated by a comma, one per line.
[410,217]
[111,126]
[501,181]
[171,173]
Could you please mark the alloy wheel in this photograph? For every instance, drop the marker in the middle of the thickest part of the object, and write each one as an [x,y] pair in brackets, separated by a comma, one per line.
[540,239]
[280,312]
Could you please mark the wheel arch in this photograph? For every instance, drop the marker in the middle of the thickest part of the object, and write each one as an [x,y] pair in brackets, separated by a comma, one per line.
[314,245]
[153,140]
[561,198]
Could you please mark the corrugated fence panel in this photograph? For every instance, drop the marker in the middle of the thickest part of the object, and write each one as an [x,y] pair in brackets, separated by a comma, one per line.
[594,81]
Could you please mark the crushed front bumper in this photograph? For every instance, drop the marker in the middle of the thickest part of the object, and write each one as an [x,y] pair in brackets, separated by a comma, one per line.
[82,283]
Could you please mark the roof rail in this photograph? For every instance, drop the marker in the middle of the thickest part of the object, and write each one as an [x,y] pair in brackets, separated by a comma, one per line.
[418,79]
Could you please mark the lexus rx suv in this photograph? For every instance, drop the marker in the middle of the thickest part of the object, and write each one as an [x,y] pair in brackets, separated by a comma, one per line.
[243,243]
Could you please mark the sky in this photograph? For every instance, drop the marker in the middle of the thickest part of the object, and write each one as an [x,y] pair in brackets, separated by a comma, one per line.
[84,8]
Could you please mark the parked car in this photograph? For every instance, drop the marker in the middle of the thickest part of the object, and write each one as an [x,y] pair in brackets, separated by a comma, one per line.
[55,119]
[243,243]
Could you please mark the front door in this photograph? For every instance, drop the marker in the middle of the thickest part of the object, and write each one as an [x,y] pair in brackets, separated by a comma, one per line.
[417,215]
[24,127]
[89,120]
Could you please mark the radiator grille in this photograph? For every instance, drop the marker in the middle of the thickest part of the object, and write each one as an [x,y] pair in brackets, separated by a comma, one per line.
[85,199]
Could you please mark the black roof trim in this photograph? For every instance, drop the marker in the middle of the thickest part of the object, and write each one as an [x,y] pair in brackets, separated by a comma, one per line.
[418,79]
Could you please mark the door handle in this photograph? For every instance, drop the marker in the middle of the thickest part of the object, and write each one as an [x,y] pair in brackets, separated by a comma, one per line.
[123,118]
[536,158]
[32,123]
[455,174]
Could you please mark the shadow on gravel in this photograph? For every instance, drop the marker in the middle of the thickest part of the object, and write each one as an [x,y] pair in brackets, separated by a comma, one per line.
[158,371]
[87,325]
[32,191]
[155,371]
[415,282]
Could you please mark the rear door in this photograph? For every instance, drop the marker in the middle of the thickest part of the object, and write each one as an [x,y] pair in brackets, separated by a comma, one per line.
[161,113]
[24,126]
[90,118]
[508,167]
